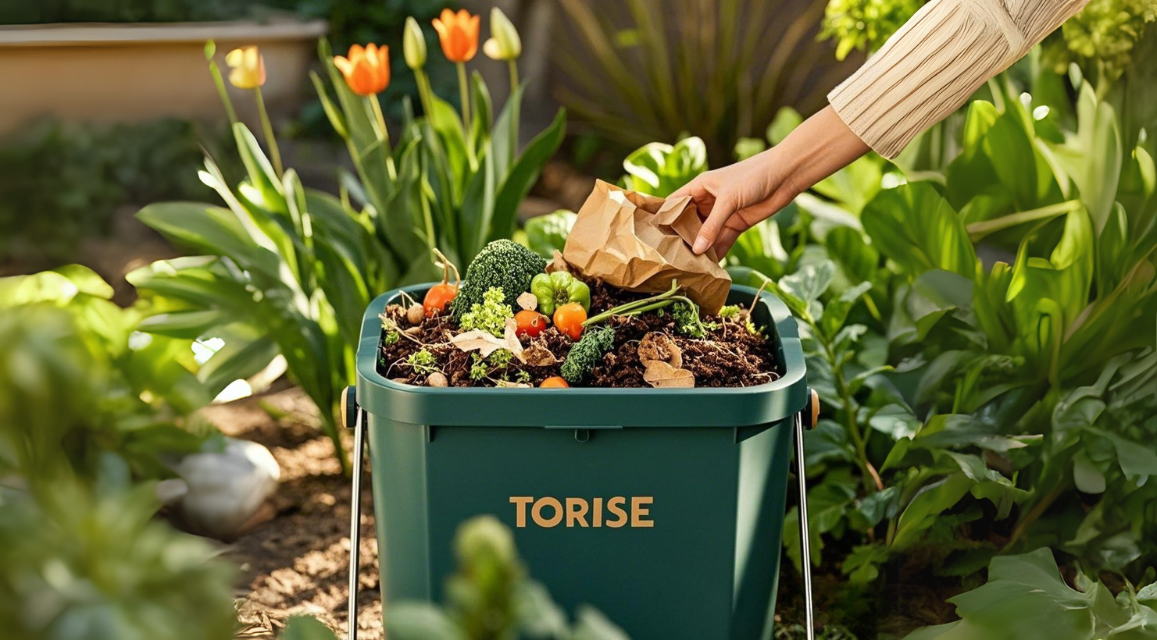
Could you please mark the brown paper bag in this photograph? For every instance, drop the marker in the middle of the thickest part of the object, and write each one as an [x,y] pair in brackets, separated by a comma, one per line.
[642,243]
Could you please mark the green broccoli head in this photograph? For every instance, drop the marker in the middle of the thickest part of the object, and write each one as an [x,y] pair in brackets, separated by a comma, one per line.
[586,353]
[502,264]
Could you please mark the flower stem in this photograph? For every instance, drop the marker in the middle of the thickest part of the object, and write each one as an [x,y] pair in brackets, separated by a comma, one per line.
[515,108]
[424,92]
[638,306]
[464,90]
[267,128]
[215,71]
[383,134]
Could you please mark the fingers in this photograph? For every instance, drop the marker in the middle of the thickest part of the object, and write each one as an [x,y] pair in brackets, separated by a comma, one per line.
[726,240]
[690,189]
[720,212]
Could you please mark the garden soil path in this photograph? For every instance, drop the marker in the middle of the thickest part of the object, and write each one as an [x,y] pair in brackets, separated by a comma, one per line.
[295,559]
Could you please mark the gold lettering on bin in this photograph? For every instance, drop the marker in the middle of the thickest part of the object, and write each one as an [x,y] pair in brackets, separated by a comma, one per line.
[614,512]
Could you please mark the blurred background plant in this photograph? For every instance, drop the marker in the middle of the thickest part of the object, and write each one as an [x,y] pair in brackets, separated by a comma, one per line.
[89,414]
[637,72]
[74,176]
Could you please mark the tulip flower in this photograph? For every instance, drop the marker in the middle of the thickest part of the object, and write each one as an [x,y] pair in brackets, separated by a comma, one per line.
[248,68]
[366,70]
[458,33]
[248,72]
[504,43]
[414,45]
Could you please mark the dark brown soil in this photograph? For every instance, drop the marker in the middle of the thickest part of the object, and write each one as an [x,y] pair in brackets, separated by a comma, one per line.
[728,355]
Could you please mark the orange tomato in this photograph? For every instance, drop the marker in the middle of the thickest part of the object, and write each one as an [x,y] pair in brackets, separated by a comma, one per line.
[569,319]
[557,382]
[438,298]
[530,323]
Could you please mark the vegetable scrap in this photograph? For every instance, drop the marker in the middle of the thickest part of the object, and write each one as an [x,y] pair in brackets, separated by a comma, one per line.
[509,323]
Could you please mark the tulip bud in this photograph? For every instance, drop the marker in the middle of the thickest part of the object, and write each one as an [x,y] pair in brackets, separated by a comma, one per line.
[414,45]
[248,67]
[504,42]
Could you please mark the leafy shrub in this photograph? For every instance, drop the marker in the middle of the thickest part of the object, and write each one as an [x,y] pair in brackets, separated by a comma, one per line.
[86,407]
[62,182]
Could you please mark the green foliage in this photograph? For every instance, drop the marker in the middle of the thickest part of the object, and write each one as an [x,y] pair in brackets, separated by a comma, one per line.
[86,406]
[491,596]
[73,177]
[80,390]
[422,362]
[864,25]
[641,74]
[659,169]
[1026,597]
[503,265]
[490,315]
[440,184]
[547,234]
[587,353]
[688,322]
[78,563]
[1102,38]
[974,409]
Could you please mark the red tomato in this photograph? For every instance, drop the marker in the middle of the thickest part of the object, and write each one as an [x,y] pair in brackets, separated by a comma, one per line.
[569,319]
[438,297]
[557,382]
[530,323]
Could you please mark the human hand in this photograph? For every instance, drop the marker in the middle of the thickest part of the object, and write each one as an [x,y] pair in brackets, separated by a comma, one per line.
[735,198]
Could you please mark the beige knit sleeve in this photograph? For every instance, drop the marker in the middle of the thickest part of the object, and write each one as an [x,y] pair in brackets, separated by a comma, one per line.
[930,67]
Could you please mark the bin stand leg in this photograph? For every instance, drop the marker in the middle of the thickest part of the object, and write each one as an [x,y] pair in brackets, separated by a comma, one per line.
[355,523]
[804,536]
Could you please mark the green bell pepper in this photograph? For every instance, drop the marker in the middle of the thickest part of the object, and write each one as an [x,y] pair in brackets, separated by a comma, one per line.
[553,290]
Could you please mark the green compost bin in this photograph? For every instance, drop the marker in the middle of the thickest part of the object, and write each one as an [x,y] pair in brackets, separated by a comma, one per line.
[663,508]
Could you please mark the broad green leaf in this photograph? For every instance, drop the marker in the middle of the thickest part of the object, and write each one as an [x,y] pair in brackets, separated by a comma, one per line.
[421,621]
[659,169]
[209,229]
[929,503]
[1010,151]
[915,227]
[522,177]
[306,628]
[547,234]
[59,286]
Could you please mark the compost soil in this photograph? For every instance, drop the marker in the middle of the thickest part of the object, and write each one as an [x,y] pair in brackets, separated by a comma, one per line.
[728,355]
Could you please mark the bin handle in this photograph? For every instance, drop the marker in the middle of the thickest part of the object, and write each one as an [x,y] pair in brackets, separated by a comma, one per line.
[804,534]
[355,509]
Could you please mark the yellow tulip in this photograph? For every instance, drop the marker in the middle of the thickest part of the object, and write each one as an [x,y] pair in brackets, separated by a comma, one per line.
[504,43]
[248,68]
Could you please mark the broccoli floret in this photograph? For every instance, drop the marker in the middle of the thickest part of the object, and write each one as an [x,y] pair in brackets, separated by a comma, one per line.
[586,353]
[502,264]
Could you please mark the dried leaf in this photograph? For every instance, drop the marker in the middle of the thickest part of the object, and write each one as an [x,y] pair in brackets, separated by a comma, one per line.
[485,343]
[661,375]
[659,347]
[512,341]
[480,341]
[527,301]
[537,355]
[512,385]
[558,263]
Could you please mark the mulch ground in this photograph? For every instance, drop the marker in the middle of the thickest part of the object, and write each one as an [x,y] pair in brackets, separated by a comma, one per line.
[295,559]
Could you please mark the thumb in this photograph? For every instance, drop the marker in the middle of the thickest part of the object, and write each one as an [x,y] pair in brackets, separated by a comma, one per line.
[709,233]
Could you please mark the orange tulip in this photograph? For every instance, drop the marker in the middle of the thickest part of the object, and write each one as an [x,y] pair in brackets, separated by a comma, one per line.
[458,33]
[366,71]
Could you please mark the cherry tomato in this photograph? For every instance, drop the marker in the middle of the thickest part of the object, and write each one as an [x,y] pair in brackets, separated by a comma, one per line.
[569,319]
[438,297]
[557,382]
[530,323]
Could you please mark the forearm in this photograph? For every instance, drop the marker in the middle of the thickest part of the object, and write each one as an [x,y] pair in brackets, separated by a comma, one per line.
[936,61]
[816,149]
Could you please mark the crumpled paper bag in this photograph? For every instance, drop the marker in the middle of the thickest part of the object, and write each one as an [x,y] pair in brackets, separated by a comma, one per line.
[642,243]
